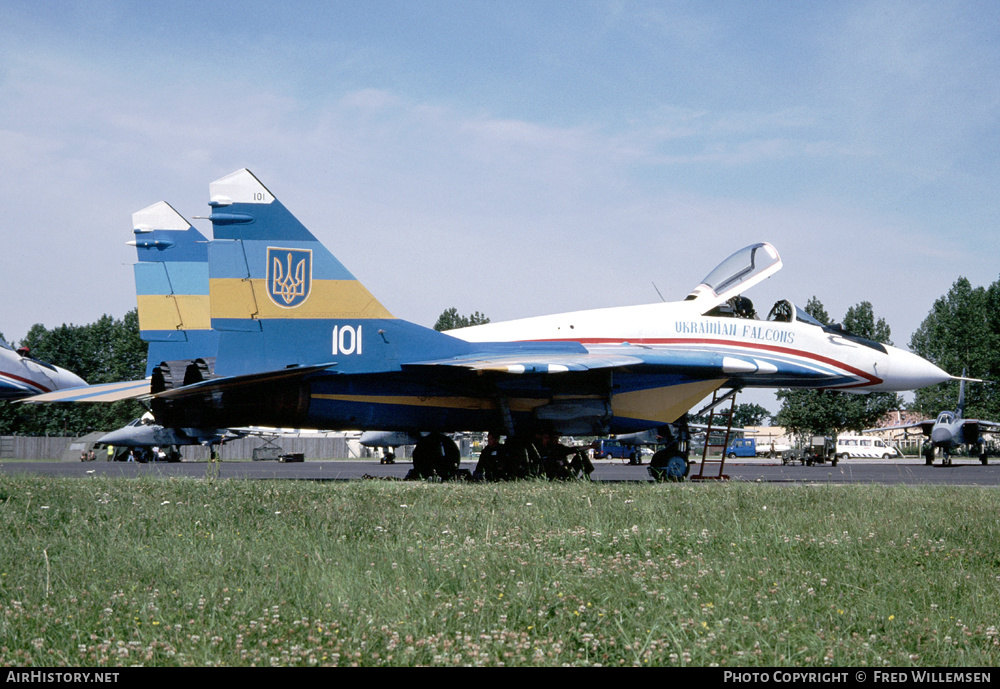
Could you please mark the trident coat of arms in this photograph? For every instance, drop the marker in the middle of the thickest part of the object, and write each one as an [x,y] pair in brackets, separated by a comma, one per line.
[289,276]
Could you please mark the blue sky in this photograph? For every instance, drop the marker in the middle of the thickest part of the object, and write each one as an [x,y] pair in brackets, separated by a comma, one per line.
[515,158]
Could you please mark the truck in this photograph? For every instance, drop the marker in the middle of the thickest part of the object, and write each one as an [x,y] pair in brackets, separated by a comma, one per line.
[606,449]
[751,447]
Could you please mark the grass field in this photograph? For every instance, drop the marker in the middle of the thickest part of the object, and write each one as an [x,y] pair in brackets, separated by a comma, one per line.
[204,572]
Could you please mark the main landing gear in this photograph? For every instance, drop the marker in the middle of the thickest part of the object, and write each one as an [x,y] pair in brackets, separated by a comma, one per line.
[672,463]
[436,455]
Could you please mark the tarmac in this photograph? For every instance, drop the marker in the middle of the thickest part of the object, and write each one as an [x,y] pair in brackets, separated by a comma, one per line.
[909,471]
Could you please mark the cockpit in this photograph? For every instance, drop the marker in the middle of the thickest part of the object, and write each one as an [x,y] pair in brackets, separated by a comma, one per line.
[736,274]
[25,353]
[719,294]
[946,417]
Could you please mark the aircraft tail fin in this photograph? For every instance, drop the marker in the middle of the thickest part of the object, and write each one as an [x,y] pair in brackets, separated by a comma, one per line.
[171,284]
[960,410]
[280,298]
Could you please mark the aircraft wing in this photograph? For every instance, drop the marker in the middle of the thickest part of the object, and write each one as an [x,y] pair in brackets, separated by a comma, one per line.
[703,361]
[925,427]
[138,389]
[982,426]
[105,392]
[534,363]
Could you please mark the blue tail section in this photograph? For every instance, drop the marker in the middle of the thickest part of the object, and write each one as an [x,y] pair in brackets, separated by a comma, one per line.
[171,282]
[279,298]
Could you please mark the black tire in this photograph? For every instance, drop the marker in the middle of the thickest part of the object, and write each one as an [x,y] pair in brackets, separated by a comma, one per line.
[667,465]
[436,454]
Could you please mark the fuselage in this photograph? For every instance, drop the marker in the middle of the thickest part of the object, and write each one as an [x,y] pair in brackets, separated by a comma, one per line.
[683,354]
[756,353]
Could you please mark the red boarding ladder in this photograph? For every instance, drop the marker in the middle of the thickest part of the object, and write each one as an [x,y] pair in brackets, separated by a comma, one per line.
[717,420]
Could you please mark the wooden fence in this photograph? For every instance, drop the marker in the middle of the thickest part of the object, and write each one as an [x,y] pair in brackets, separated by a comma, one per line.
[69,449]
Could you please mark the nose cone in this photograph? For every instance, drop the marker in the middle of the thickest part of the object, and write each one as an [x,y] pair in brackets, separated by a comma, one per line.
[65,380]
[907,371]
[940,435]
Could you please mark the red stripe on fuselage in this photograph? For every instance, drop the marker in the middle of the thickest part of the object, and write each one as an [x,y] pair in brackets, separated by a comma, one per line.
[26,381]
[872,380]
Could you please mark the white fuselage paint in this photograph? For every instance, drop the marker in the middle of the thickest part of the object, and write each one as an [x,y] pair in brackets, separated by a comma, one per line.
[750,344]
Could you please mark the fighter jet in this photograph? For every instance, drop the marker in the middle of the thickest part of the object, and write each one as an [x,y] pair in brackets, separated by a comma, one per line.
[21,375]
[144,434]
[302,343]
[950,431]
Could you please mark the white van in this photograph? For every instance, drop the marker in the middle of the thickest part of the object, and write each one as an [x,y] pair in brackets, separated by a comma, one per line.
[854,446]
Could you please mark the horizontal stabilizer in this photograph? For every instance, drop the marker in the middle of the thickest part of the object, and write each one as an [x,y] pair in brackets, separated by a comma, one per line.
[105,392]
[229,383]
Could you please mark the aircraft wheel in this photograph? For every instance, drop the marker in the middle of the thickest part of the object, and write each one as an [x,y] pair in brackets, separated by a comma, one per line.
[929,458]
[436,454]
[666,466]
[946,461]
[677,468]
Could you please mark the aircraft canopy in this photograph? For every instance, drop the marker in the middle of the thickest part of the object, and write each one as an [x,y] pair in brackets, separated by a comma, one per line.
[739,272]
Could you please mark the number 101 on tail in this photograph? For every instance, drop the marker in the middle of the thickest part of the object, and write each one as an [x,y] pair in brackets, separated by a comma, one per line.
[346,339]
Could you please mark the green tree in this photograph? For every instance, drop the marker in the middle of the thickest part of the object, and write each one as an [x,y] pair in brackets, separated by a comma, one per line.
[749,414]
[451,319]
[860,320]
[826,412]
[814,307]
[962,333]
